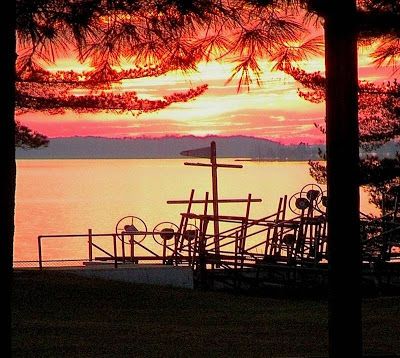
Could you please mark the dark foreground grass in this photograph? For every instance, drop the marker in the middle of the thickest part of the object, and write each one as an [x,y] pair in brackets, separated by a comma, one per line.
[62,315]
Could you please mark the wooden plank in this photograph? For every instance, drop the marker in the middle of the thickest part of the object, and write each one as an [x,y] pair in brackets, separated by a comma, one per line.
[90,242]
[215,194]
[220,201]
[238,166]
[183,223]
[203,224]
[212,217]
[245,224]
[137,258]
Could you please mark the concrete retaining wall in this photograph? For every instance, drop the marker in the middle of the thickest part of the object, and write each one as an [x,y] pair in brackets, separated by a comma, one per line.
[162,275]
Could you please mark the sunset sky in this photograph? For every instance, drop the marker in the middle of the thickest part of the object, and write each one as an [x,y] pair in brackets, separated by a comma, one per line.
[273,111]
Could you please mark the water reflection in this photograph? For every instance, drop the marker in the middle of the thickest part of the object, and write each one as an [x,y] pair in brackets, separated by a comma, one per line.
[71,196]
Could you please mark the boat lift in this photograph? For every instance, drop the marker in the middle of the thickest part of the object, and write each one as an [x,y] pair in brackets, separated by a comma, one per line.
[294,236]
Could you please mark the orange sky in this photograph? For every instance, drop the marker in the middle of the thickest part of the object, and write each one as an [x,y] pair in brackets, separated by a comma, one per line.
[273,111]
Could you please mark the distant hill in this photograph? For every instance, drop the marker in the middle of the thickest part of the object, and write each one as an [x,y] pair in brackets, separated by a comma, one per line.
[168,147]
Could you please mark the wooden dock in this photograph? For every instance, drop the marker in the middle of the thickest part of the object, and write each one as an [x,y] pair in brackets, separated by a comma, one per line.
[287,247]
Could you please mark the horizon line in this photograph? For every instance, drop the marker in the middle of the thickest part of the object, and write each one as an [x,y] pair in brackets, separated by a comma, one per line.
[209,136]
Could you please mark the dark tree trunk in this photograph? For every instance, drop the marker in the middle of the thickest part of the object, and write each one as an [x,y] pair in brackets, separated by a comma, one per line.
[343,180]
[7,186]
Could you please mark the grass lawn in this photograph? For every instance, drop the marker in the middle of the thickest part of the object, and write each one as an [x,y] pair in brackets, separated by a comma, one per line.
[58,314]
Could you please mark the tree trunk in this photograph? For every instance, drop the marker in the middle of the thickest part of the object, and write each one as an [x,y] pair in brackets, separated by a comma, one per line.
[7,187]
[343,180]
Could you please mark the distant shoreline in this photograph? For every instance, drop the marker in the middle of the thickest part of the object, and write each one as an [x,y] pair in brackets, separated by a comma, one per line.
[237,147]
[174,158]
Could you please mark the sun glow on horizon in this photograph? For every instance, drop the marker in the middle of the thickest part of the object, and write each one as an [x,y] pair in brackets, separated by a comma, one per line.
[273,111]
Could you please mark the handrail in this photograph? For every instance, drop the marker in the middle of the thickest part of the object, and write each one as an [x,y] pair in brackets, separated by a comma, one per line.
[90,235]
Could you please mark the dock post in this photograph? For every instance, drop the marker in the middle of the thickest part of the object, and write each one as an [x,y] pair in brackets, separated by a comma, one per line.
[115,251]
[214,167]
[132,242]
[123,247]
[164,251]
[90,242]
[202,263]
[40,252]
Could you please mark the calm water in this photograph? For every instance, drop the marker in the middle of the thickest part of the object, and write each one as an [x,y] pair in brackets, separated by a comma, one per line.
[71,196]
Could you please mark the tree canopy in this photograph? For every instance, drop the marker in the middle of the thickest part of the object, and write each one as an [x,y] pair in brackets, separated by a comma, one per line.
[153,36]
[379,123]
[159,36]
[26,138]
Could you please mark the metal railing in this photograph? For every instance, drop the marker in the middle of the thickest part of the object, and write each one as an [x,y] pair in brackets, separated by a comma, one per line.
[110,254]
[91,244]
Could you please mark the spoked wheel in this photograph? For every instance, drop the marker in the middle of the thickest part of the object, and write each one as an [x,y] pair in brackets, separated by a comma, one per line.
[298,203]
[165,233]
[128,226]
[190,234]
[323,203]
[313,192]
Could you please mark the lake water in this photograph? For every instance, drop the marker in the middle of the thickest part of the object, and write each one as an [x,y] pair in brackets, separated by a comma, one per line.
[71,196]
